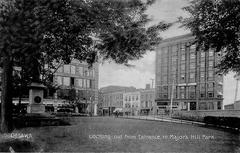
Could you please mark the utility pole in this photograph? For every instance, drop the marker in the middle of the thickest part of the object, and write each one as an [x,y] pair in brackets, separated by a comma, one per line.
[237,77]
[152,82]
[172,98]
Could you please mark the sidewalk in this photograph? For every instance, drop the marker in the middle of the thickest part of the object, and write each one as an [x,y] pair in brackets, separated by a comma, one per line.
[162,119]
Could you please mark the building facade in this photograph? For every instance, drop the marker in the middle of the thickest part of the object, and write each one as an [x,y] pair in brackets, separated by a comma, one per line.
[229,107]
[112,99]
[147,98]
[131,103]
[234,106]
[84,82]
[187,76]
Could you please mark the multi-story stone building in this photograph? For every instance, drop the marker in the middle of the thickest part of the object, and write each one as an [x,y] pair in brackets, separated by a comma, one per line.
[112,98]
[187,76]
[131,103]
[83,80]
[147,98]
[112,101]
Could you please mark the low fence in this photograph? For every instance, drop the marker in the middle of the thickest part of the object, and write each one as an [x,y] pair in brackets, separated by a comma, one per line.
[199,115]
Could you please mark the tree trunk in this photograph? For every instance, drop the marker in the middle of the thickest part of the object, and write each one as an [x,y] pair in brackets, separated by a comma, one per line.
[6,99]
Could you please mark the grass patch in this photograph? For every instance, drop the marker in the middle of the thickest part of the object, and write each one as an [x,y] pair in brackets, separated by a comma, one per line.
[19,146]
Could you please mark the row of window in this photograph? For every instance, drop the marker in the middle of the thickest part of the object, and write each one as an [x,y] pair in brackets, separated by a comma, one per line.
[79,70]
[112,97]
[192,55]
[182,49]
[108,103]
[209,105]
[70,81]
[210,86]
[146,96]
[128,105]
[146,104]
[191,79]
[131,98]
[183,67]
[191,95]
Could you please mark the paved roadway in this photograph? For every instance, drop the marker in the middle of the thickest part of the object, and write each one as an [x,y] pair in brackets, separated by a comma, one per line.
[109,134]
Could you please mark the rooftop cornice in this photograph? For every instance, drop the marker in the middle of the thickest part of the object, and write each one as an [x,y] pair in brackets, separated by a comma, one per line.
[177,39]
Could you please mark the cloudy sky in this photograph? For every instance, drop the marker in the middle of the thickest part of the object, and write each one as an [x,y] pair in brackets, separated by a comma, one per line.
[144,69]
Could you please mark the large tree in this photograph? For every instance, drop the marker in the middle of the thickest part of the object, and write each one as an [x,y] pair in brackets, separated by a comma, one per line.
[216,25]
[35,33]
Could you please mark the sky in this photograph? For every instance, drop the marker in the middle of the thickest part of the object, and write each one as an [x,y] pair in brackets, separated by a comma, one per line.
[144,69]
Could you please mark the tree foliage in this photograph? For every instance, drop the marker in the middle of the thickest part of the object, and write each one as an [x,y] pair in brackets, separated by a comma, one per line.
[216,24]
[50,31]
[36,33]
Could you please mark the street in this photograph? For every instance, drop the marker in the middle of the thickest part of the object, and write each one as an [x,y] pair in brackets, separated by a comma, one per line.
[109,134]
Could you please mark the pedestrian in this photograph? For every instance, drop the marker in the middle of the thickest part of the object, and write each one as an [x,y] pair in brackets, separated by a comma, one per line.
[117,113]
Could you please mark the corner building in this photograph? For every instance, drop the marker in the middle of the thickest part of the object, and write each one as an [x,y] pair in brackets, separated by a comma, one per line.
[187,76]
[77,75]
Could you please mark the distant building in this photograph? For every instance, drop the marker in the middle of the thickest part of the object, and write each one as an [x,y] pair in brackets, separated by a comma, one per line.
[237,105]
[110,89]
[100,104]
[112,98]
[187,76]
[131,103]
[234,106]
[229,107]
[79,81]
[147,101]
[77,77]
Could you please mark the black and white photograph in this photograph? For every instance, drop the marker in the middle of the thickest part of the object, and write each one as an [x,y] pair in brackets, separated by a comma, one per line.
[120,76]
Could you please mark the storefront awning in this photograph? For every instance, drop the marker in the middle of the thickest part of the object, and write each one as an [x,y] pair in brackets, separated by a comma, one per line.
[118,110]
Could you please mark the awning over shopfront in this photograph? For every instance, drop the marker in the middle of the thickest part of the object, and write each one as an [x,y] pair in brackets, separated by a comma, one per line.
[118,110]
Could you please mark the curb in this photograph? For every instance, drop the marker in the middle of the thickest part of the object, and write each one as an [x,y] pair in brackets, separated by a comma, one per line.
[166,120]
